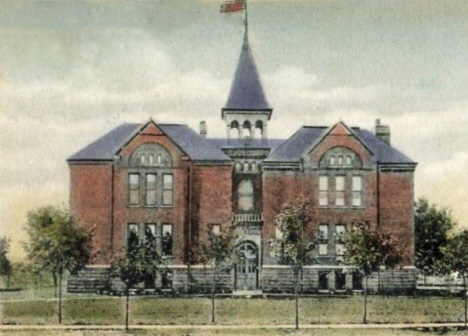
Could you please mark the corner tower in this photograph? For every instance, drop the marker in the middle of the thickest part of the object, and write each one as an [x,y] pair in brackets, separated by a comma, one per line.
[247,111]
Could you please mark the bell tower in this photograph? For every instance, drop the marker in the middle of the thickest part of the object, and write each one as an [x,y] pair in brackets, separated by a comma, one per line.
[246,112]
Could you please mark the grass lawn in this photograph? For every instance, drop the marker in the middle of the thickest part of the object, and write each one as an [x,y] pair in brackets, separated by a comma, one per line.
[237,332]
[110,310]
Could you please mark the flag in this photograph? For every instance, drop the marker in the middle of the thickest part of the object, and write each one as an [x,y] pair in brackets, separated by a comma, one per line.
[233,6]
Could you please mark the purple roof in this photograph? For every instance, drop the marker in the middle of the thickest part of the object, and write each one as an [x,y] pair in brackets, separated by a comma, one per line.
[246,90]
[292,149]
[190,142]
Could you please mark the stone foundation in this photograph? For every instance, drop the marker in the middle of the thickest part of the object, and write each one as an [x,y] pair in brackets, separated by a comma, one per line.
[272,279]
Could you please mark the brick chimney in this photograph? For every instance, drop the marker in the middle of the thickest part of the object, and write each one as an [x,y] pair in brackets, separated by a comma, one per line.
[203,129]
[382,132]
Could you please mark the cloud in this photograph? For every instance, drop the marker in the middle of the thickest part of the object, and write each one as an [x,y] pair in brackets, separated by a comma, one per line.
[62,91]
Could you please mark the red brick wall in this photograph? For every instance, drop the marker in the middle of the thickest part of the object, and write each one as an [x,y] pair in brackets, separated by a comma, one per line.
[90,203]
[211,198]
[91,199]
[397,209]
[175,215]
[396,195]
[396,203]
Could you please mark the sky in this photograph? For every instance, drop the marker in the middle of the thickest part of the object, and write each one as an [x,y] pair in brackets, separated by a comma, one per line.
[70,71]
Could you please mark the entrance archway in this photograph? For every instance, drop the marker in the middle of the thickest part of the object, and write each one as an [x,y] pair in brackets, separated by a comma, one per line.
[246,271]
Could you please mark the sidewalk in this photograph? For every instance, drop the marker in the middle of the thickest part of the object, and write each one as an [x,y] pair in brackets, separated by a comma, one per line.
[231,327]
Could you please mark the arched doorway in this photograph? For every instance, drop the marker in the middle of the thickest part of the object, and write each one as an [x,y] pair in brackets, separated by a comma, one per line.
[246,271]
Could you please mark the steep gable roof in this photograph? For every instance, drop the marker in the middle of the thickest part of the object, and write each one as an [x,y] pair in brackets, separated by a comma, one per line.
[300,143]
[293,148]
[192,144]
[384,153]
[246,90]
[106,146]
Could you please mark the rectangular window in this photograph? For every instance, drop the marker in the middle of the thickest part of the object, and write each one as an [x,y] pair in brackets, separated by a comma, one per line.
[323,190]
[132,236]
[150,189]
[323,236]
[340,280]
[323,231]
[357,191]
[216,229]
[340,249]
[357,281]
[150,234]
[134,189]
[323,280]
[323,249]
[278,234]
[166,233]
[166,279]
[168,189]
[340,231]
[340,191]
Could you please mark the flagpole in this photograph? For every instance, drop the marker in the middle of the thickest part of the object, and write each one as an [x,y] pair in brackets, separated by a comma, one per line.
[246,19]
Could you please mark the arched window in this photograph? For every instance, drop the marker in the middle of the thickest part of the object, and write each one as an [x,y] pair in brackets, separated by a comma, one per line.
[258,129]
[151,154]
[253,166]
[339,157]
[246,195]
[247,130]
[235,125]
[246,166]
[238,166]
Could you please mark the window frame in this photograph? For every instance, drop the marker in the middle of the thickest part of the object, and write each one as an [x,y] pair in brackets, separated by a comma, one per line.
[134,188]
[213,230]
[357,191]
[340,192]
[154,190]
[167,190]
[163,225]
[323,239]
[129,226]
[241,195]
[323,192]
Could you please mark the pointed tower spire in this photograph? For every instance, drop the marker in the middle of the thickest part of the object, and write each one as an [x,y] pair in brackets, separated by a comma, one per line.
[247,111]
[246,90]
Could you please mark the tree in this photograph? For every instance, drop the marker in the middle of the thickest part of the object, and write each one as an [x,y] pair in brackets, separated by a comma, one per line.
[294,244]
[5,264]
[139,264]
[368,249]
[456,260]
[218,251]
[432,226]
[57,243]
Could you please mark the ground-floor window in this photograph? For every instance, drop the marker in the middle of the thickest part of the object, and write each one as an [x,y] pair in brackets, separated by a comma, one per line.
[357,281]
[167,279]
[132,236]
[323,279]
[340,280]
[166,233]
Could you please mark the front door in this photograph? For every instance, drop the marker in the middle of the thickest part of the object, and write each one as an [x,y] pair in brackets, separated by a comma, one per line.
[247,266]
